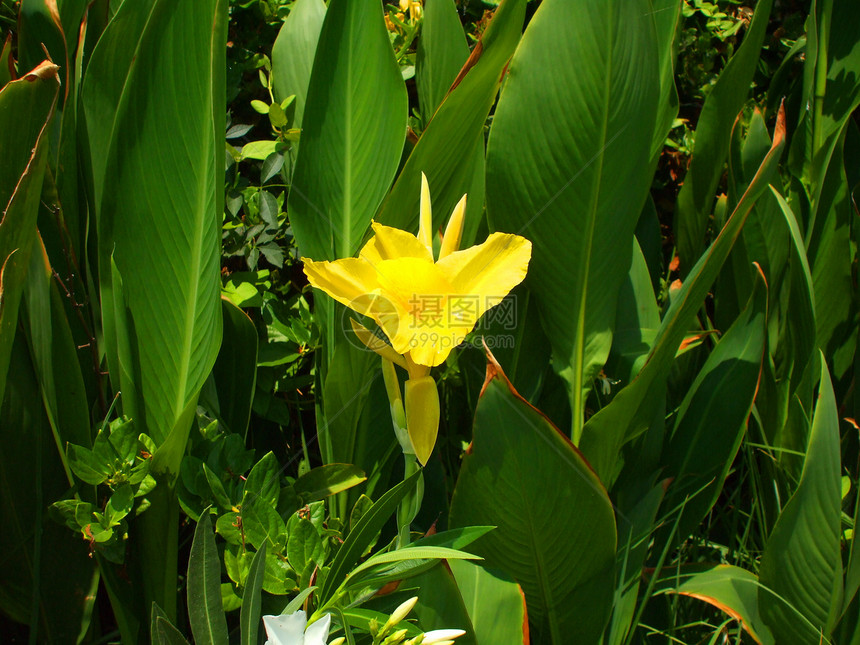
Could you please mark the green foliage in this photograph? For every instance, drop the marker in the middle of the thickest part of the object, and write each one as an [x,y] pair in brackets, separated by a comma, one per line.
[183,452]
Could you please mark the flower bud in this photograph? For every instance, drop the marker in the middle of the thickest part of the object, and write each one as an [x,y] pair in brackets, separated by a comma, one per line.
[422,416]
[400,613]
[442,636]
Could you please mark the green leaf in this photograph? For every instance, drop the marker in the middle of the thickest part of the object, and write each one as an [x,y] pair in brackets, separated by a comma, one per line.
[713,130]
[730,589]
[362,534]
[158,203]
[353,137]
[493,600]
[235,369]
[801,568]
[323,481]
[450,152]
[695,457]
[165,633]
[293,53]
[205,615]
[258,150]
[442,50]
[55,354]
[86,465]
[516,456]
[634,407]
[26,107]
[162,630]
[303,543]
[440,605]
[263,483]
[574,179]
[250,615]
[46,574]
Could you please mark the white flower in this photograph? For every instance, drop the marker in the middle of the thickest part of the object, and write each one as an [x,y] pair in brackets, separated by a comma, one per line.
[289,629]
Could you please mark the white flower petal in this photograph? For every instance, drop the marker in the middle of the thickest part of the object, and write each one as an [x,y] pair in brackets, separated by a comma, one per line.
[439,635]
[286,629]
[317,633]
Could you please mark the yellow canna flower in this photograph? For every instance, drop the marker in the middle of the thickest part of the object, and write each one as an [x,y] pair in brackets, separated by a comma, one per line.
[425,306]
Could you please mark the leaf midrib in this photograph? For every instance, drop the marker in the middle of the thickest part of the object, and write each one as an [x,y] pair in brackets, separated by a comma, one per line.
[585,264]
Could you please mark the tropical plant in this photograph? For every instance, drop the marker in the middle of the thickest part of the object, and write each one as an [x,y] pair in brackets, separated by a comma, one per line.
[650,437]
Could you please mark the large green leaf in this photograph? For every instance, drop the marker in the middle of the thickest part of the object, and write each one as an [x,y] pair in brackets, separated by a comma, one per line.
[26,106]
[730,589]
[696,199]
[702,446]
[493,601]
[666,14]
[569,167]
[559,547]
[46,573]
[354,129]
[634,407]
[153,99]
[442,50]
[235,370]
[440,605]
[451,149]
[293,53]
[801,568]
[830,252]
[55,356]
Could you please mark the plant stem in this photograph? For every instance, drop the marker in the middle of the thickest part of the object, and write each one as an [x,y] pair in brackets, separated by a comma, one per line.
[410,504]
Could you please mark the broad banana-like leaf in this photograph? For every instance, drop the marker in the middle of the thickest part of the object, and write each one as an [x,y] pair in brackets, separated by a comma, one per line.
[702,446]
[153,98]
[46,574]
[633,408]
[728,588]
[354,128]
[293,53]
[569,167]
[801,568]
[830,251]
[696,199]
[494,602]
[450,152]
[442,50]
[26,106]
[235,371]
[559,547]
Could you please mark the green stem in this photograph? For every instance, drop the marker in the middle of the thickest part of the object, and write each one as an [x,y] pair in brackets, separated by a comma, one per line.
[410,504]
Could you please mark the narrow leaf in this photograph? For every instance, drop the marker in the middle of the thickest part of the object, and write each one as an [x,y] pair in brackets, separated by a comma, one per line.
[250,614]
[205,614]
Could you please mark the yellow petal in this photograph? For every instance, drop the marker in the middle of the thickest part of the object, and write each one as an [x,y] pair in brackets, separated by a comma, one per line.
[425,224]
[392,243]
[489,270]
[454,230]
[422,416]
[349,281]
[431,345]
[418,292]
